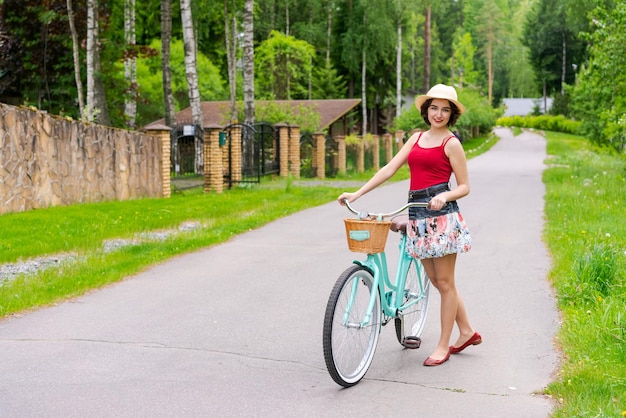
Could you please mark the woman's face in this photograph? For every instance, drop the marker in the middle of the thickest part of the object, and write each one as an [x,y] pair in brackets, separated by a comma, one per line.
[439,113]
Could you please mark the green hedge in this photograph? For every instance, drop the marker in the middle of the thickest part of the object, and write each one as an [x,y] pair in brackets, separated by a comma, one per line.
[557,123]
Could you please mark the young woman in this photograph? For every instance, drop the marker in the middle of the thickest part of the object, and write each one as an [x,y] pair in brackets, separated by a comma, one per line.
[437,233]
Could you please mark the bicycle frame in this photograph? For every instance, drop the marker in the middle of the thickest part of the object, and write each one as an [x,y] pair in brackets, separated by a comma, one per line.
[390,303]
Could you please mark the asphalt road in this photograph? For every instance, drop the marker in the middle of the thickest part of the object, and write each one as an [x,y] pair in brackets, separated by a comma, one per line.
[236,330]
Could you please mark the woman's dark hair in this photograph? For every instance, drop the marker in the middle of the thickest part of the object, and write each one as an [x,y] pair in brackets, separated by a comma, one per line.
[454,116]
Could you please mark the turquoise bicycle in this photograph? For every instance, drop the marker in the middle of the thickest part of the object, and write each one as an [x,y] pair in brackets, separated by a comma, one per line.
[364,298]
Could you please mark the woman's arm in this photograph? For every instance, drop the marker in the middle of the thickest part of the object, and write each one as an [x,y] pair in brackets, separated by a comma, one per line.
[384,174]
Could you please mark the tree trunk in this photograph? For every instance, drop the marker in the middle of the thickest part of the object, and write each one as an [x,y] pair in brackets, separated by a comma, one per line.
[100,94]
[427,49]
[130,64]
[248,61]
[490,67]
[399,71]
[189,40]
[563,64]
[231,39]
[329,31]
[166,39]
[79,83]
[96,97]
[190,61]
[364,92]
[92,33]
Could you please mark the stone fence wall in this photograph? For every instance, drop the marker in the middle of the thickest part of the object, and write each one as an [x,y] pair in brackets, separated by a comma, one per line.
[49,161]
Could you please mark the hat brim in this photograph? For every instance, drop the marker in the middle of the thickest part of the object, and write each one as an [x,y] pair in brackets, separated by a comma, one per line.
[420,100]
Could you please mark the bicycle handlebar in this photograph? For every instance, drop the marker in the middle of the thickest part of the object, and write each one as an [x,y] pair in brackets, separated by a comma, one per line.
[365,215]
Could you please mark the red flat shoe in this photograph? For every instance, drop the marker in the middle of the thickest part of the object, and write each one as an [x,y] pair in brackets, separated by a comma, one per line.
[432,362]
[474,340]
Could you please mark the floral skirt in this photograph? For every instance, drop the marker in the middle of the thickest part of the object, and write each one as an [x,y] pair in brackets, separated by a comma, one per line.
[433,234]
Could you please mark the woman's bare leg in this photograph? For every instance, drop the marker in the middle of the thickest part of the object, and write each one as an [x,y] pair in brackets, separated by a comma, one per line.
[441,273]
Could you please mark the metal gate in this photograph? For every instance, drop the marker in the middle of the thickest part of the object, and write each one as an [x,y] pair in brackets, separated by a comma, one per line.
[332,157]
[186,156]
[258,154]
[306,155]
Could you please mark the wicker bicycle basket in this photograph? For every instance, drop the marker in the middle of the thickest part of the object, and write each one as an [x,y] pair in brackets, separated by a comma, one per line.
[366,236]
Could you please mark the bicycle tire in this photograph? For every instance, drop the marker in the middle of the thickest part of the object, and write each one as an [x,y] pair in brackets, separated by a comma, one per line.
[410,323]
[349,349]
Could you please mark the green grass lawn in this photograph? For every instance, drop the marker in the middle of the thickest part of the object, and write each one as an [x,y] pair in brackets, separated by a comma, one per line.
[585,232]
[586,236]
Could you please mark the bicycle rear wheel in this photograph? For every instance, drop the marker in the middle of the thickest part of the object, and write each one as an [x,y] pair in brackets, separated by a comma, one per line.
[349,345]
[410,322]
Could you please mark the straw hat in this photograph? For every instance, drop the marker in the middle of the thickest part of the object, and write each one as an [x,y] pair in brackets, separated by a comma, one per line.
[440,91]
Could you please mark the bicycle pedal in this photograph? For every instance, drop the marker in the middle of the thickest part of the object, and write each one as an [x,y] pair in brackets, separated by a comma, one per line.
[412,342]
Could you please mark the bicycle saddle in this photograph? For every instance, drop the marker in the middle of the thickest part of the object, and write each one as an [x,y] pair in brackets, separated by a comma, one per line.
[399,223]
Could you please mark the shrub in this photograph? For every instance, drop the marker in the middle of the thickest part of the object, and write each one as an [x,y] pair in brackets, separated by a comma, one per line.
[557,123]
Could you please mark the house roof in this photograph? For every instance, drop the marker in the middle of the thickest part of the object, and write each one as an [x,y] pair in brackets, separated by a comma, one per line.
[217,113]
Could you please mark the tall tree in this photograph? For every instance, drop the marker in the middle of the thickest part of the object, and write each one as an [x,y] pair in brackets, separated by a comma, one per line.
[553,47]
[191,57]
[130,64]
[191,70]
[248,61]
[92,50]
[166,38]
[400,10]
[427,39]
[230,39]
[490,31]
[287,62]
[76,55]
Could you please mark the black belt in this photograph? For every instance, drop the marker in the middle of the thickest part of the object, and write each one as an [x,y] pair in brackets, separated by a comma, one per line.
[429,192]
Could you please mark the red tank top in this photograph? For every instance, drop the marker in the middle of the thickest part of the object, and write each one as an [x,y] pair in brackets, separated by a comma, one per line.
[429,166]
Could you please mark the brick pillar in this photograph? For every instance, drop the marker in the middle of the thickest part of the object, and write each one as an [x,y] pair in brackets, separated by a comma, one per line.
[283,146]
[213,160]
[162,133]
[235,153]
[294,151]
[319,152]
[388,147]
[341,154]
[376,151]
[360,155]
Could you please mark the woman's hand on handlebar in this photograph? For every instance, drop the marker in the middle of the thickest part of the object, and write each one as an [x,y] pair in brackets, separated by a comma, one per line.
[437,202]
[350,197]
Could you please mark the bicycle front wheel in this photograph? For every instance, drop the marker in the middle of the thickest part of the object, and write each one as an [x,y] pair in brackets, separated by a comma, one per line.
[349,344]
[410,322]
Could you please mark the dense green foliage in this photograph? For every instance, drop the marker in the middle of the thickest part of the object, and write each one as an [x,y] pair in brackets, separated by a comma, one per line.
[570,50]
[544,123]
[599,95]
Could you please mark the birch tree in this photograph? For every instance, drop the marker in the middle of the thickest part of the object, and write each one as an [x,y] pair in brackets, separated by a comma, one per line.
[192,77]
[190,61]
[96,108]
[92,33]
[231,54]
[248,61]
[166,39]
[130,64]
[75,52]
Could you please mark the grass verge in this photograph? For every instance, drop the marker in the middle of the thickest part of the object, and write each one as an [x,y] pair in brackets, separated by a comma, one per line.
[586,236]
